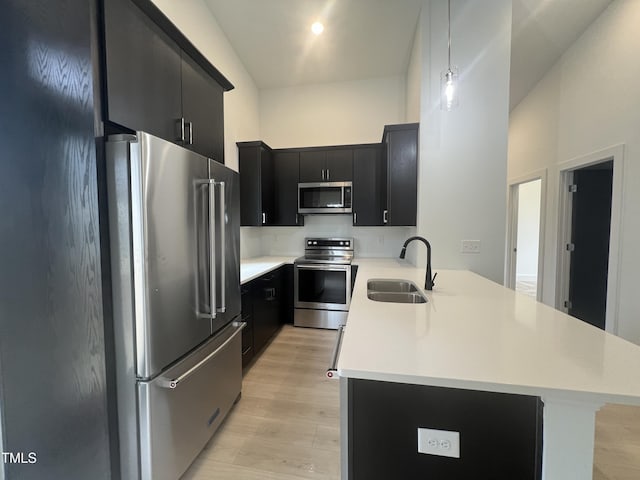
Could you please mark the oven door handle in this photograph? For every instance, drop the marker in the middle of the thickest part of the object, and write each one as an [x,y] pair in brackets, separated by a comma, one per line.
[325,267]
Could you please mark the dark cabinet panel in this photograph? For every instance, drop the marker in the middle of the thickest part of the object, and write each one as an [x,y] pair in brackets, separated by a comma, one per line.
[369,187]
[401,144]
[143,72]
[247,332]
[267,306]
[339,165]
[256,184]
[267,303]
[312,166]
[55,393]
[326,165]
[286,175]
[287,294]
[156,86]
[202,109]
[386,448]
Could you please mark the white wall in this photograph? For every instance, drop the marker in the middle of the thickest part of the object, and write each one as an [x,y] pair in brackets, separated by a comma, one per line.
[528,229]
[331,113]
[463,153]
[241,105]
[414,78]
[587,102]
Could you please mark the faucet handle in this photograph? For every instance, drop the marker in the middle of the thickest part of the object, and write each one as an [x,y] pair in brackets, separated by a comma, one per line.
[433,279]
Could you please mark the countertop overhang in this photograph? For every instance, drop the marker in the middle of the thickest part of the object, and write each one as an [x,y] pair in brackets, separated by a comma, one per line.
[476,334]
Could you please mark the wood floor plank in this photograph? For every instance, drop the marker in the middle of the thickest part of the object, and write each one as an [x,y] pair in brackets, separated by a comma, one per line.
[286,424]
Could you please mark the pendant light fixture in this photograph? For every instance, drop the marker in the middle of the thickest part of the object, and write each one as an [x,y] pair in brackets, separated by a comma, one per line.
[449,78]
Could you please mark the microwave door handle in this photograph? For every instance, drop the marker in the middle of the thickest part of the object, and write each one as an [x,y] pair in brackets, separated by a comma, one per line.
[223,258]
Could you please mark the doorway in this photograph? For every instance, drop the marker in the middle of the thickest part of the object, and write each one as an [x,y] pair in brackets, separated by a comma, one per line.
[588,246]
[524,249]
[588,241]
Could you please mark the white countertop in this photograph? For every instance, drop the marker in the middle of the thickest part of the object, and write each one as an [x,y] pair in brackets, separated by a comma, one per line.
[475,334]
[252,268]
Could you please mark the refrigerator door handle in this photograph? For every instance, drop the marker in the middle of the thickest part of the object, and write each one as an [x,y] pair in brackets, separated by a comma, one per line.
[212,247]
[210,184]
[174,383]
[223,257]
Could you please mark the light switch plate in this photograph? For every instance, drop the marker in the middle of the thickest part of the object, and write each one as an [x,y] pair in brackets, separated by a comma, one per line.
[442,443]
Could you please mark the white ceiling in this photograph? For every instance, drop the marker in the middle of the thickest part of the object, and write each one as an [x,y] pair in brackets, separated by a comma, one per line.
[373,38]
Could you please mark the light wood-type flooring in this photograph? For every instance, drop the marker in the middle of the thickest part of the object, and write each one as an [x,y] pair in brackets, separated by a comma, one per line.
[286,425]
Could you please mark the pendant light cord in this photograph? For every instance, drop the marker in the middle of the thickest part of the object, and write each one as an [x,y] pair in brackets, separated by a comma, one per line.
[449,44]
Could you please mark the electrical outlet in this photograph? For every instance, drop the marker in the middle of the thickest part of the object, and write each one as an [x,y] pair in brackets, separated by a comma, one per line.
[470,246]
[439,442]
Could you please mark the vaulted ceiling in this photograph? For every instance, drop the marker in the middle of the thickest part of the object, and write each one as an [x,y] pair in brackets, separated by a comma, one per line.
[373,38]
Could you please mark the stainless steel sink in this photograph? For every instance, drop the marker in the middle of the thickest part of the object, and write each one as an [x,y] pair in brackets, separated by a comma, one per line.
[387,285]
[394,291]
[396,297]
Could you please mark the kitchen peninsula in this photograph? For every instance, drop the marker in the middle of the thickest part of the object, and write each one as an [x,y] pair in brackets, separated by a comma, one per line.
[474,344]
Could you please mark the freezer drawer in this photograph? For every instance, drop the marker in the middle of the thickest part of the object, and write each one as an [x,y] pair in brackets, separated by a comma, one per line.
[182,408]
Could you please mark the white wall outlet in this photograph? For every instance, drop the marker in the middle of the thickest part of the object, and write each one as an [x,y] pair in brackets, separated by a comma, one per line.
[439,442]
[470,246]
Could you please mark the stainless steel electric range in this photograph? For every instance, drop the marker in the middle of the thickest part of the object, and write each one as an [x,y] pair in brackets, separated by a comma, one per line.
[323,283]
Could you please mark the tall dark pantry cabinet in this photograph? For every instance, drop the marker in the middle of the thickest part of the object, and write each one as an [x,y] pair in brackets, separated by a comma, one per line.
[70,74]
[53,380]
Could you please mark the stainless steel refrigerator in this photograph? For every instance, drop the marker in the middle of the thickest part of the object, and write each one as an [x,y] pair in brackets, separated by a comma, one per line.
[174,219]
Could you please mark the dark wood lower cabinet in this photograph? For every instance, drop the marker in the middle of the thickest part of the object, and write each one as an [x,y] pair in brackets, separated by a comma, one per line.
[247,332]
[267,303]
[500,434]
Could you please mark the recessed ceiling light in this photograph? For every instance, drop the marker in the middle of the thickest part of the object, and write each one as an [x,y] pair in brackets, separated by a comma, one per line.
[317,28]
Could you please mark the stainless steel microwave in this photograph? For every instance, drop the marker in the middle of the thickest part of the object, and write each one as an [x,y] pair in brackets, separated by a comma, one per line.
[324,197]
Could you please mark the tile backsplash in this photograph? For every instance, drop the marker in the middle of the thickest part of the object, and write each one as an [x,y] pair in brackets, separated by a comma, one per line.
[369,241]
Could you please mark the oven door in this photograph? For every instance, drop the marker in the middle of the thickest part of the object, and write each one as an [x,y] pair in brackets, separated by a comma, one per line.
[323,286]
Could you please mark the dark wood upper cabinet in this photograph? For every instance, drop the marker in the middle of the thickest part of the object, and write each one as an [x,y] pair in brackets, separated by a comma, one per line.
[256,184]
[202,109]
[369,186]
[312,166]
[157,82]
[339,165]
[143,71]
[286,172]
[400,153]
[326,165]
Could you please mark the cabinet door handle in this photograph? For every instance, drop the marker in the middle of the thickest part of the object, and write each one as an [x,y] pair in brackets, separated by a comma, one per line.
[327,174]
[355,218]
[296,219]
[190,133]
[264,218]
[385,216]
[323,174]
[180,130]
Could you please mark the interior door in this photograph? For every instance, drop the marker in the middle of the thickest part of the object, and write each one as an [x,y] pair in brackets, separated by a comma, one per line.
[590,230]
[165,226]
